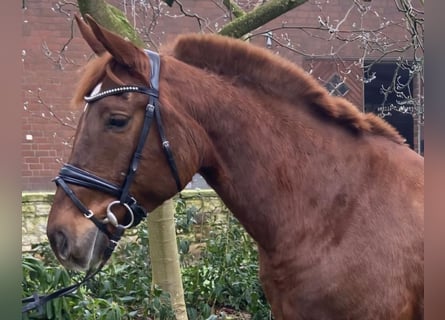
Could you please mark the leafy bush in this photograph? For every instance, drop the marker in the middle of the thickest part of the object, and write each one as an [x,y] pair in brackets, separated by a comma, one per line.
[219,269]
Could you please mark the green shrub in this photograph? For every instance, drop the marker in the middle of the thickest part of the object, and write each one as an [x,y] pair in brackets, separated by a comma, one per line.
[220,274]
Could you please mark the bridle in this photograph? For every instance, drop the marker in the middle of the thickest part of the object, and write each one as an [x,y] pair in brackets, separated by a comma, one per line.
[70,174]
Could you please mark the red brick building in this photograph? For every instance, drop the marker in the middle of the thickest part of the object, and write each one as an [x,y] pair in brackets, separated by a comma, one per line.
[53,52]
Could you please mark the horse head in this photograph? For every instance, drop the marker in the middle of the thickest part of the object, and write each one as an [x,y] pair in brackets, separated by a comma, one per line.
[118,168]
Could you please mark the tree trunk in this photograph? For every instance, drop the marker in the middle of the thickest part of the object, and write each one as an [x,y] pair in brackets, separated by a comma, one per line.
[166,272]
[164,256]
[111,18]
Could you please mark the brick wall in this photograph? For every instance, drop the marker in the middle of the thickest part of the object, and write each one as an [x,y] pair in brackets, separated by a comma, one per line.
[53,76]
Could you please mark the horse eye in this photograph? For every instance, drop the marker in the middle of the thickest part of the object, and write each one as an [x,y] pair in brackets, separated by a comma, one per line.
[117,121]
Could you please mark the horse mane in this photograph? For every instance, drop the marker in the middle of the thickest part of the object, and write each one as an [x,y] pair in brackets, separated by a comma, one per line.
[91,74]
[95,70]
[259,68]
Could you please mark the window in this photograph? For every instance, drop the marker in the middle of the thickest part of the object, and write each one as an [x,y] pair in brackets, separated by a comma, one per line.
[336,86]
[387,93]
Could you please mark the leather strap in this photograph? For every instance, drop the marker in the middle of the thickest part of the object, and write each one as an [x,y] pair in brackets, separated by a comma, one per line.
[134,164]
[167,150]
[155,66]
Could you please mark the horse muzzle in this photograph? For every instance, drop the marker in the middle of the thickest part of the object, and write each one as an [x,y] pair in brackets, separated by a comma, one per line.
[78,252]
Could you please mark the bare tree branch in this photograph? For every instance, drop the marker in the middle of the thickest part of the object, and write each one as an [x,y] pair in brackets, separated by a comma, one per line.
[199,19]
[66,122]
[258,17]
[233,8]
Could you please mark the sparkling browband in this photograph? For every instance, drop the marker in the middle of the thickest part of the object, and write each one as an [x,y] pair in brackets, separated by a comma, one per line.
[122,89]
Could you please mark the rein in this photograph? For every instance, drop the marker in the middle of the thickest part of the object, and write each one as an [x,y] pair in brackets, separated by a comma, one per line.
[70,174]
[38,301]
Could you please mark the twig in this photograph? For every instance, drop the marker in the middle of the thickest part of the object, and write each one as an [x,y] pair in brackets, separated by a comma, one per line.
[49,107]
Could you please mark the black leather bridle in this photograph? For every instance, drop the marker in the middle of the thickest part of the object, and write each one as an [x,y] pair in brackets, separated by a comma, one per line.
[70,174]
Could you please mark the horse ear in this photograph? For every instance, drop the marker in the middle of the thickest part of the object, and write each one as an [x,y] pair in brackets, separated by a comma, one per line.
[122,50]
[89,36]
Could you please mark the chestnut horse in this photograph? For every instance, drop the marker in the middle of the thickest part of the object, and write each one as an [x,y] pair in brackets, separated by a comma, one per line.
[332,196]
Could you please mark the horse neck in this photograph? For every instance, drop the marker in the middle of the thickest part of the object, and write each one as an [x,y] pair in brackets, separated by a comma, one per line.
[249,140]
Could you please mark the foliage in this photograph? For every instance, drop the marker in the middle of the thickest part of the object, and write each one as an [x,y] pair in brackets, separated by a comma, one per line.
[226,273]
[219,265]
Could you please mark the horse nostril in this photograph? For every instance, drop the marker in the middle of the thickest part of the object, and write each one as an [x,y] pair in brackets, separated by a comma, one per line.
[61,244]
